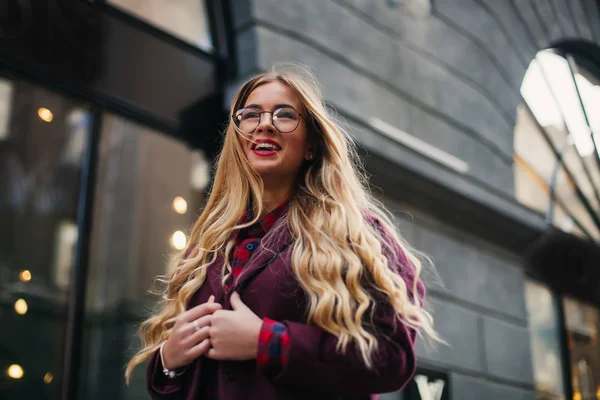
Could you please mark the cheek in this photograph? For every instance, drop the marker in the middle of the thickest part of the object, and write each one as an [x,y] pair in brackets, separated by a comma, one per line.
[298,145]
[245,144]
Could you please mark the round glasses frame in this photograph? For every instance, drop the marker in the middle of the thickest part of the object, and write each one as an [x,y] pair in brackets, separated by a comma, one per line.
[237,118]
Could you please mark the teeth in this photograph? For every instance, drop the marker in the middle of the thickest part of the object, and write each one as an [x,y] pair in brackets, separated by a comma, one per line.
[265,146]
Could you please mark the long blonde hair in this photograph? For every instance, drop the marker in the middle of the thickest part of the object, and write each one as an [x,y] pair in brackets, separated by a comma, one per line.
[338,256]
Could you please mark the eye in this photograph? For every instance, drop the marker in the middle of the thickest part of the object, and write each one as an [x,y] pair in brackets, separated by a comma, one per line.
[249,114]
[286,113]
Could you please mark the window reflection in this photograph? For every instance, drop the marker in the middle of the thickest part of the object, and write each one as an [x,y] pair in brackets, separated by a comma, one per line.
[544,335]
[583,322]
[40,170]
[143,179]
[552,117]
[186,19]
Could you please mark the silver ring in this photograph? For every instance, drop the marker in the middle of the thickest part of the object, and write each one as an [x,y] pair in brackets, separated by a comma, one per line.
[196,326]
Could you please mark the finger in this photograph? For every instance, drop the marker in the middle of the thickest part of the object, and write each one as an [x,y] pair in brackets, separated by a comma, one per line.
[197,337]
[199,349]
[214,354]
[190,328]
[211,299]
[236,302]
[200,311]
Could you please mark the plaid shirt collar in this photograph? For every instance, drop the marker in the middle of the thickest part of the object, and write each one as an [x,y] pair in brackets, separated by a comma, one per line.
[260,228]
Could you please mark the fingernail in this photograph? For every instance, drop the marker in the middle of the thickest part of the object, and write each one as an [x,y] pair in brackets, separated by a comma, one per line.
[211,298]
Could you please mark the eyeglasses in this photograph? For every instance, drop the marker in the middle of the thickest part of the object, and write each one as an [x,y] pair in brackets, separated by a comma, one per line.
[284,119]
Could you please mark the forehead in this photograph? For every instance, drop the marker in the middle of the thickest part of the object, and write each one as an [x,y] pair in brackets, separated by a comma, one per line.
[273,93]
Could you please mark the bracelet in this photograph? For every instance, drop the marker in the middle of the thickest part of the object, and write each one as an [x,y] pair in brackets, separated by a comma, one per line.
[170,374]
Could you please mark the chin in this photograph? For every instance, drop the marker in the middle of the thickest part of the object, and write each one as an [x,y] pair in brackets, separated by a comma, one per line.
[266,172]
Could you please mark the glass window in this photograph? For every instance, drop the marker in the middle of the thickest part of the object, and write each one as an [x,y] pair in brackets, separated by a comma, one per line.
[149,191]
[185,19]
[544,336]
[583,322]
[552,116]
[42,140]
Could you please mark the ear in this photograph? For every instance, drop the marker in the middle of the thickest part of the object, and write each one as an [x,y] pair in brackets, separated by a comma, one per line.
[310,153]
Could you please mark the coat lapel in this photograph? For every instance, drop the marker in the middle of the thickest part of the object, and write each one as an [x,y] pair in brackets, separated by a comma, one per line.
[271,247]
[213,276]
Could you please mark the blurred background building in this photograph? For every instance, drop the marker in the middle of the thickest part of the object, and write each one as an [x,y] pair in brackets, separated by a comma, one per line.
[478,121]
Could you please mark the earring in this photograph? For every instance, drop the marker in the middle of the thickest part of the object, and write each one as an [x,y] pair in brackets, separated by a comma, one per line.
[310,156]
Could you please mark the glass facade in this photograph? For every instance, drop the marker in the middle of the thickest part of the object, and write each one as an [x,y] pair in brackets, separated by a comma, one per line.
[583,324]
[148,184]
[184,19]
[554,146]
[149,190]
[43,136]
[544,337]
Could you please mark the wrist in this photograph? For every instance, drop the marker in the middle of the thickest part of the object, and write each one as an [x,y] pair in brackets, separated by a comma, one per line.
[166,363]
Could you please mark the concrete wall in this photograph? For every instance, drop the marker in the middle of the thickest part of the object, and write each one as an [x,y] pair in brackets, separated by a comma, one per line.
[479,309]
[452,79]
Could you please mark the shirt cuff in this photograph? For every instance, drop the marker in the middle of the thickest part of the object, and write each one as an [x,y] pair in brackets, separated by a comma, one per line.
[273,347]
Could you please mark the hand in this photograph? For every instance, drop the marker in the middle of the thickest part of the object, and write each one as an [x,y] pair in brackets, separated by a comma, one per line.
[186,343]
[234,334]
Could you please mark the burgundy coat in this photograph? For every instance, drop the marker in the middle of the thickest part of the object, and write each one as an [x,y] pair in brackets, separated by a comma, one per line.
[314,370]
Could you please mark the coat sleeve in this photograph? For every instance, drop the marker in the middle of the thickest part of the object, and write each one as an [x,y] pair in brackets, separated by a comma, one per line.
[314,363]
[160,386]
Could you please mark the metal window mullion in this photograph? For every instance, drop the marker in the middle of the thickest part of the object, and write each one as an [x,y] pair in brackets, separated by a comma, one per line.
[562,115]
[573,69]
[220,19]
[564,346]
[554,197]
[584,201]
[79,274]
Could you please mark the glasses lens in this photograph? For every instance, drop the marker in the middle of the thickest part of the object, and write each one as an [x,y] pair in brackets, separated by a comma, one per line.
[247,119]
[286,119]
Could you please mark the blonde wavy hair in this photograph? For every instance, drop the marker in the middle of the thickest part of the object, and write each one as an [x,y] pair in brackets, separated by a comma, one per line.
[338,255]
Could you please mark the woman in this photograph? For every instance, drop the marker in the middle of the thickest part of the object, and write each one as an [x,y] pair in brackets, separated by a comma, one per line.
[294,284]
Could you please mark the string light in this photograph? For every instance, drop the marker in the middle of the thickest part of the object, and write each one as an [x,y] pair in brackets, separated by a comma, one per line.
[15,371]
[179,205]
[25,276]
[178,240]
[48,378]
[21,307]
[45,114]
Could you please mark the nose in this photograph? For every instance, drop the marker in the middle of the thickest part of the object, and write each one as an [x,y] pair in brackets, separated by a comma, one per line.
[266,123]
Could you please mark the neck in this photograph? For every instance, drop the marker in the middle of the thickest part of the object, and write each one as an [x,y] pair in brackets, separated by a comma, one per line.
[275,194]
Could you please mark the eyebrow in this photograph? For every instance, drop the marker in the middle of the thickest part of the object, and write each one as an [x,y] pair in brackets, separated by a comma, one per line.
[277,106]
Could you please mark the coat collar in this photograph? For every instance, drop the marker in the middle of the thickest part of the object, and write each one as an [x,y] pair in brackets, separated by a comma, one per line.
[276,242]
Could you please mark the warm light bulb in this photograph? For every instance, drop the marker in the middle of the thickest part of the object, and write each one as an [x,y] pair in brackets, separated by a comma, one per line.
[45,114]
[179,205]
[15,371]
[178,240]
[21,306]
[48,378]
[25,276]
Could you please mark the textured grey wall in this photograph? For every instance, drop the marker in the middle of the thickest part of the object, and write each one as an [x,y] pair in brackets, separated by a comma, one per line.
[479,310]
[452,79]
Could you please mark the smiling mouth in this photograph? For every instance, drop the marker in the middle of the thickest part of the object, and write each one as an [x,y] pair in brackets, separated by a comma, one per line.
[265,147]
